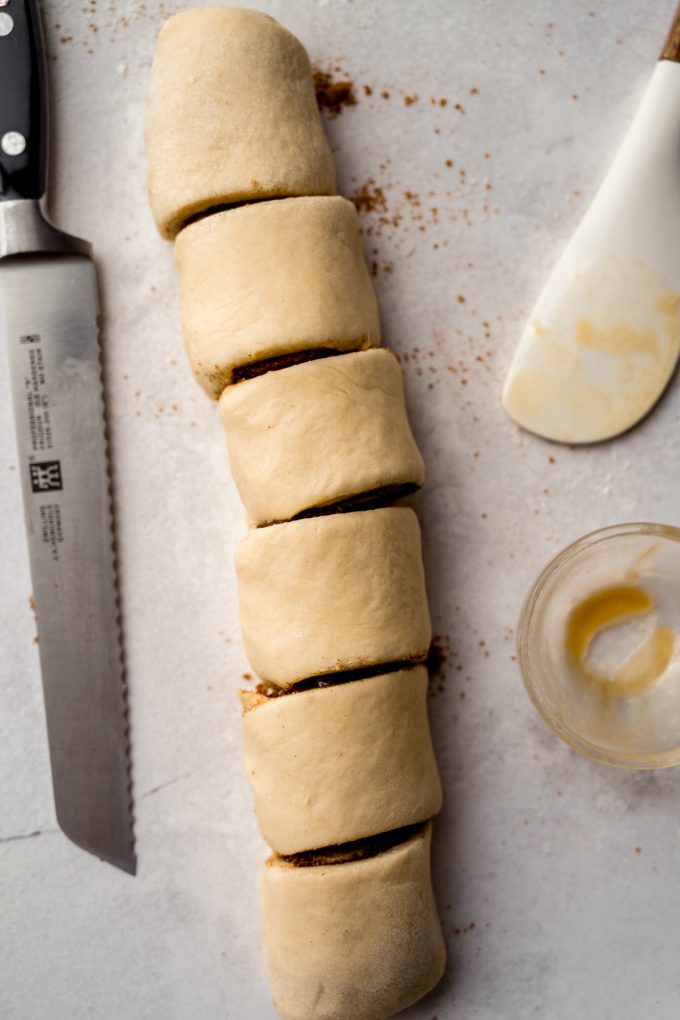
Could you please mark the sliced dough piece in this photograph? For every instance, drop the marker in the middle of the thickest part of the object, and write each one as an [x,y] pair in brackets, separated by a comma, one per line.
[272,279]
[319,434]
[333,593]
[231,116]
[336,764]
[354,941]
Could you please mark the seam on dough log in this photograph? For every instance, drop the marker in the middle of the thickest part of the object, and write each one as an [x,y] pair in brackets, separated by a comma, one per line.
[358,850]
[265,691]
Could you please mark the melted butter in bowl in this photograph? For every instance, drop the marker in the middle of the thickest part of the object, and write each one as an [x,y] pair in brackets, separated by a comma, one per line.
[603,611]
[599,645]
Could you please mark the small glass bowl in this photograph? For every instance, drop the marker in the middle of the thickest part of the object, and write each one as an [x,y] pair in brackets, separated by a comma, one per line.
[641,731]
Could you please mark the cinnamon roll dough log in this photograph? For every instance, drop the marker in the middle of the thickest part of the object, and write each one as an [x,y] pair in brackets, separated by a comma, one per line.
[272,279]
[318,434]
[231,116]
[336,764]
[359,940]
[331,593]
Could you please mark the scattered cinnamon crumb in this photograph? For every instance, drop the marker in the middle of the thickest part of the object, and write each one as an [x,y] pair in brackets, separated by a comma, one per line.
[369,198]
[368,91]
[410,100]
[438,657]
[31,604]
[333,96]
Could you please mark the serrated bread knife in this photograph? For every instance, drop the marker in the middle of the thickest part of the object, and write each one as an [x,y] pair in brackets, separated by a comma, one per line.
[603,340]
[48,319]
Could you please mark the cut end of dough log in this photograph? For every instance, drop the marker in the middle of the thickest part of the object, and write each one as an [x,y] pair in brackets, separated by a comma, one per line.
[327,594]
[358,939]
[231,116]
[270,282]
[336,764]
[326,436]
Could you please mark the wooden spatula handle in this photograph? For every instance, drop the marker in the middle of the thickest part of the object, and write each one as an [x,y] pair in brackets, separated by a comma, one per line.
[671,48]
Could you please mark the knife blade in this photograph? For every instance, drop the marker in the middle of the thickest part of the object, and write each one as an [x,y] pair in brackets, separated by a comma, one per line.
[49,320]
[603,340]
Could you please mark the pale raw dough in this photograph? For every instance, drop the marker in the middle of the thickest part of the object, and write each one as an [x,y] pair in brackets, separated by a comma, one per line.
[315,434]
[271,279]
[335,764]
[333,593]
[354,941]
[231,116]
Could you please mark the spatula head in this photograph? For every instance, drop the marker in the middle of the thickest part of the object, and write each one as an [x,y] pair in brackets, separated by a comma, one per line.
[597,353]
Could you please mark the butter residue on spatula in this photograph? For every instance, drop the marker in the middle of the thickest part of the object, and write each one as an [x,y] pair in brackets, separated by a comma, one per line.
[598,351]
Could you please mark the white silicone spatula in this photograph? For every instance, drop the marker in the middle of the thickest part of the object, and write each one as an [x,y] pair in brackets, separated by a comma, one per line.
[603,340]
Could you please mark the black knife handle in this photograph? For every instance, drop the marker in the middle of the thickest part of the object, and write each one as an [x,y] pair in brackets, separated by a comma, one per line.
[23,101]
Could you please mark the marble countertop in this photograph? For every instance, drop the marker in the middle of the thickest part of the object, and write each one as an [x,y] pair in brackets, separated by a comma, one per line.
[480,131]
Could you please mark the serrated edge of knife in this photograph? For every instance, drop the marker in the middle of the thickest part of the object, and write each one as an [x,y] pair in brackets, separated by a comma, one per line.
[108,461]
